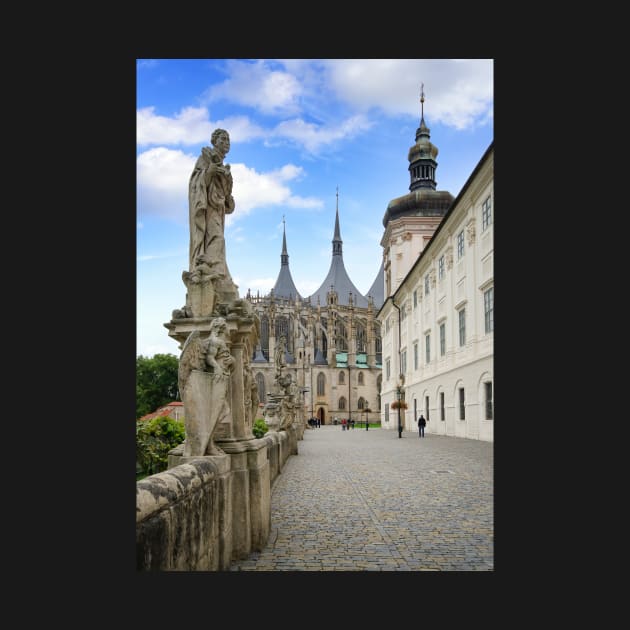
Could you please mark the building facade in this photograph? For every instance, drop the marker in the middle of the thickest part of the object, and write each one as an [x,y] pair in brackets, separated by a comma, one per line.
[332,341]
[437,318]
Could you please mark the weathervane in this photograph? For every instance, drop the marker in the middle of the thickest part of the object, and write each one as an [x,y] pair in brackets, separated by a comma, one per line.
[422,100]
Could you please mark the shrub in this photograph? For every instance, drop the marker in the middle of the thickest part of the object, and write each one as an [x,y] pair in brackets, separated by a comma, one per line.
[260,428]
[154,439]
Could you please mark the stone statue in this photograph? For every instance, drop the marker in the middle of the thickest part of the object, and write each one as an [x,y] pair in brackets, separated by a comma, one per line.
[250,391]
[279,356]
[203,379]
[209,200]
[218,356]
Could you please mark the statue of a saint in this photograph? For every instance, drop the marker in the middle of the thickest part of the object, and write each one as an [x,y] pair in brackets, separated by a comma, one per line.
[209,200]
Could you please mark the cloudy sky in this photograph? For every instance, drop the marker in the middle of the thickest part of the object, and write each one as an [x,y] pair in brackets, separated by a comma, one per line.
[299,128]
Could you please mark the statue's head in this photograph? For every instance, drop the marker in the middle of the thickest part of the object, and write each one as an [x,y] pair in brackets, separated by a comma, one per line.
[218,325]
[221,140]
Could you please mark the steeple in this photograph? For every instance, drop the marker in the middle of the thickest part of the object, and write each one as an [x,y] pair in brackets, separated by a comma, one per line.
[337,242]
[285,287]
[284,256]
[422,154]
[422,200]
[337,283]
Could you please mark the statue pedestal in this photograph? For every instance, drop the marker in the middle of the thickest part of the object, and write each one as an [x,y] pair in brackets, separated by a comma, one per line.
[202,297]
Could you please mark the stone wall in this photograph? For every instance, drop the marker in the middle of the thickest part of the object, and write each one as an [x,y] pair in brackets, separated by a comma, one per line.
[206,512]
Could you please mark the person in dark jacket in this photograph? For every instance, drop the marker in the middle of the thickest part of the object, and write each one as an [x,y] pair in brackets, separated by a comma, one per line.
[421,424]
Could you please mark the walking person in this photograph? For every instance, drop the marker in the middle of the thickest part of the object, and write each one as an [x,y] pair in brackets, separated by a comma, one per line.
[421,424]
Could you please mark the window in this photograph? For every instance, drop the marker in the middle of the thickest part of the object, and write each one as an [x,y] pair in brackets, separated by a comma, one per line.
[415,356]
[426,284]
[441,267]
[486,214]
[342,378]
[415,298]
[387,325]
[462,327]
[426,408]
[442,339]
[403,362]
[488,309]
[386,412]
[342,403]
[462,405]
[442,411]
[488,388]
[460,245]
[362,403]
[387,370]
[403,312]
[360,378]
[427,347]
[321,384]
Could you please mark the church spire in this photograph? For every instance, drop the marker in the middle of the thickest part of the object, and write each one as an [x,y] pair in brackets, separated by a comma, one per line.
[284,256]
[285,287]
[337,242]
[422,164]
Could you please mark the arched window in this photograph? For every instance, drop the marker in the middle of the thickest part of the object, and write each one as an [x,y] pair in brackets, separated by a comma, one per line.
[321,384]
[362,404]
[341,336]
[260,382]
[378,344]
[361,338]
[342,403]
[360,378]
[342,378]
[264,337]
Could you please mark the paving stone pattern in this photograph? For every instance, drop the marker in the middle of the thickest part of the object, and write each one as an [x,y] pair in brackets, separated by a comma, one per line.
[361,500]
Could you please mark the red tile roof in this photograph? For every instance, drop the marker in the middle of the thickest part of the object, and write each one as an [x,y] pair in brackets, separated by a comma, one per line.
[162,411]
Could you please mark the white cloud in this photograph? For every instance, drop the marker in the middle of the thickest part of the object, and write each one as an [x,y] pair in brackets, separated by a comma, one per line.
[457,92]
[146,63]
[308,287]
[163,174]
[191,126]
[257,85]
[253,190]
[162,178]
[145,257]
[264,285]
[314,137]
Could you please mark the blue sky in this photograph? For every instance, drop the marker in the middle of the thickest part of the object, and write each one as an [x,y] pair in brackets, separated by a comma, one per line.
[298,129]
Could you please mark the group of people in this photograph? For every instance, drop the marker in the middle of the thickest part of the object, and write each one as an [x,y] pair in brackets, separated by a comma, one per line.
[346,424]
[315,422]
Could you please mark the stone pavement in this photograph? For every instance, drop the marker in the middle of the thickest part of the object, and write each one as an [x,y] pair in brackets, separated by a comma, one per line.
[362,500]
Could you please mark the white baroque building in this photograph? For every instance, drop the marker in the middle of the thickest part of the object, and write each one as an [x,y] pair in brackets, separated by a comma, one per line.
[437,321]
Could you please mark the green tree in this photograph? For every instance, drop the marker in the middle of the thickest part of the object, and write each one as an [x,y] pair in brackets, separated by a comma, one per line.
[154,439]
[156,382]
